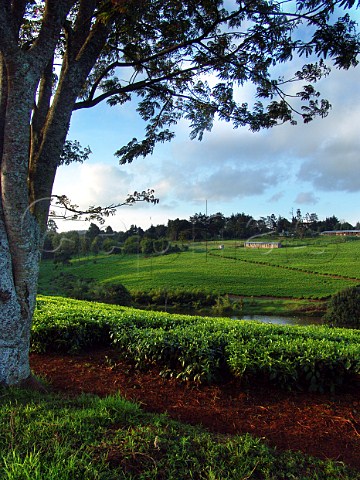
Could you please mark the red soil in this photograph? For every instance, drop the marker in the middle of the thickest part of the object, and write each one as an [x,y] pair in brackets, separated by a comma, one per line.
[326,426]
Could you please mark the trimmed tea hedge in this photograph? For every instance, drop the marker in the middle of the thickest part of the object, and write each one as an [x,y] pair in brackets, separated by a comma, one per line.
[202,349]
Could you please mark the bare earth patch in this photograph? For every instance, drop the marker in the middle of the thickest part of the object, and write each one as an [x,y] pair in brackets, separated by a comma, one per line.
[326,426]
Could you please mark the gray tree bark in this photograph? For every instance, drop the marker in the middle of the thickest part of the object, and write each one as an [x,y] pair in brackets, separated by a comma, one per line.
[21,71]
[33,129]
[19,232]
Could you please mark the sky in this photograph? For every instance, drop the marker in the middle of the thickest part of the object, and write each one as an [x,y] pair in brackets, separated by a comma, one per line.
[313,167]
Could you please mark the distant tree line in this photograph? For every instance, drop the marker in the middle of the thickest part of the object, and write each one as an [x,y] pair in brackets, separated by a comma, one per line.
[175,236]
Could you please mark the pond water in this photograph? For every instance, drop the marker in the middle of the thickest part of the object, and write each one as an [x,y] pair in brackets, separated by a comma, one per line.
[280,320]
[276,319]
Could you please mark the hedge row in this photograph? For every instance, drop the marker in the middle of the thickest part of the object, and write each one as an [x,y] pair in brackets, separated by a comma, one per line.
[202,349]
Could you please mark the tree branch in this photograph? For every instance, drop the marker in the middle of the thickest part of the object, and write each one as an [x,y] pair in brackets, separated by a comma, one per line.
[142,61]
[142,84]
[8,39]
[47,157]
[55,14]
[42,106]
[98,213]
[17,11]
[78,35]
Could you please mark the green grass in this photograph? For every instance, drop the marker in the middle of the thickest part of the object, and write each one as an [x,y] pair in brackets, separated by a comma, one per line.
[52,437]
[311,269]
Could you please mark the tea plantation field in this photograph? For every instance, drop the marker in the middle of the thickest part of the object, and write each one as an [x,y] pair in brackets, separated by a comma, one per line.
[334,256]
[314,268]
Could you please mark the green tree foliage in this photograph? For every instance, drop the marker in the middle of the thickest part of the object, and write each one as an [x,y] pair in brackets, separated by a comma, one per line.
[146,245]
[344,308]
[96,245]
[132,244]
[93,231]
[179,230]
[241,225]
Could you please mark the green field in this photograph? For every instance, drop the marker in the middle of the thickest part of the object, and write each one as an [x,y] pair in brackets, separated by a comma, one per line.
[331,256]
[314,268]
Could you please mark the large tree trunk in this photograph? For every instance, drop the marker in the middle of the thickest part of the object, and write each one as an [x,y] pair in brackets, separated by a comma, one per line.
[31,141]
[19,232]
[16,310]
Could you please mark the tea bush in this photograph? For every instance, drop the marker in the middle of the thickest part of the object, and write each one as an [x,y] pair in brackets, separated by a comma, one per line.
[69,326]
[301,363]
[195,351]
[202,349]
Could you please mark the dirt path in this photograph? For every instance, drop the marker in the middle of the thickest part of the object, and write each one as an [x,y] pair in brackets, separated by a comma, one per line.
[320,425]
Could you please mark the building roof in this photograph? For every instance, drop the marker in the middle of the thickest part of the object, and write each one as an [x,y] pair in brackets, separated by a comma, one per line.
[262,243]
[340,231]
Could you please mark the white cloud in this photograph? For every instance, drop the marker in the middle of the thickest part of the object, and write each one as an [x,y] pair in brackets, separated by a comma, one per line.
[334,162]
[93,184]
[233,183]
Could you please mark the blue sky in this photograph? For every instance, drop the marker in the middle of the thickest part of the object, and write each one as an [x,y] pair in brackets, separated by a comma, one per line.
[314,167]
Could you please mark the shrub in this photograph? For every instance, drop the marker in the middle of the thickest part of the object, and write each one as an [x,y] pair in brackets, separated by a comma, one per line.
[90,289]
[79,288]
[185,298]
[344,308]
[115,294]
[224,306]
